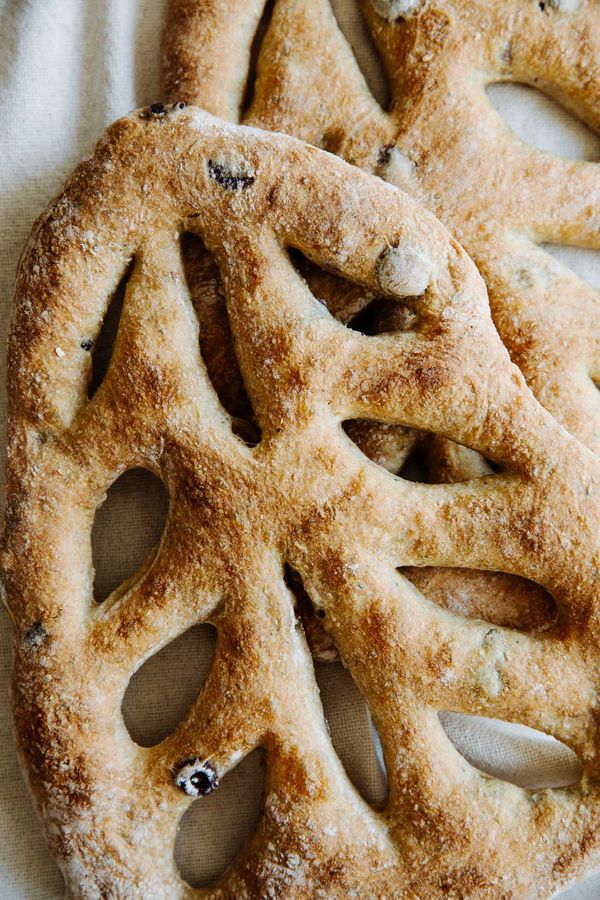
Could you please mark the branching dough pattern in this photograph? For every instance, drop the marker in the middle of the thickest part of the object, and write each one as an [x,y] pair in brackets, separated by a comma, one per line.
[305,496]
[441,141]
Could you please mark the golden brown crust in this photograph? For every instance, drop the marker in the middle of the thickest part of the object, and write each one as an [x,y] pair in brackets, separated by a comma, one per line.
[438,63]
[442,141]
[439,141]
[220,66]
[304,496]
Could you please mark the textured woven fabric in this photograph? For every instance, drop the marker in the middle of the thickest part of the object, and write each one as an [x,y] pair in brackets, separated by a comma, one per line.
[67,68]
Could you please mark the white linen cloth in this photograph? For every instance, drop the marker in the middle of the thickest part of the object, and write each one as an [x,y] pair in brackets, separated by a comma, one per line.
[67,68]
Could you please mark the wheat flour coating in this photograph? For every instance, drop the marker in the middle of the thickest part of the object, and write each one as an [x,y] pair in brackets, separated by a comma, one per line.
[441,141]
[305,496]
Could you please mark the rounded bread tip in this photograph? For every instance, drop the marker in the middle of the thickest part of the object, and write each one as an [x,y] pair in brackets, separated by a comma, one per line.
[404,271]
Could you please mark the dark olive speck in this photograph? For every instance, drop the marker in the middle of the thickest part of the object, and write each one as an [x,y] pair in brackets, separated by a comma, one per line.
[35,636]
[231,181]
[385,152]
[157,109]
